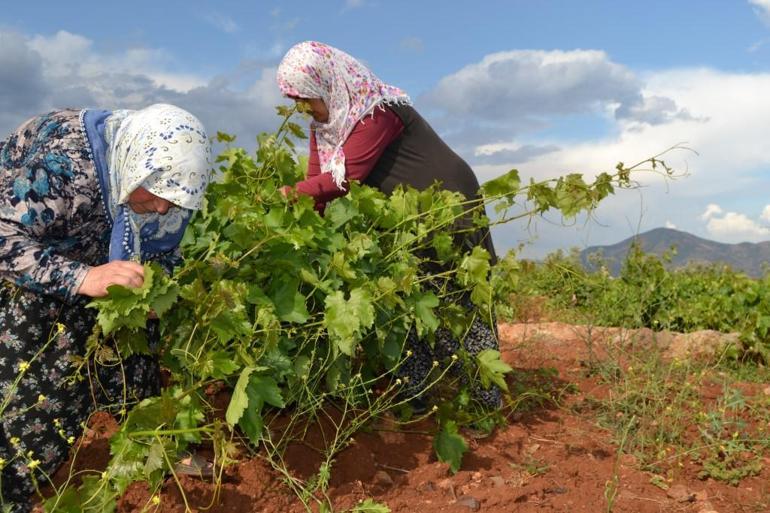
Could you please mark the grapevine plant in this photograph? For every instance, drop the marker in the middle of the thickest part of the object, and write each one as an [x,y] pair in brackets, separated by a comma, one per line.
[304,317]
[649,293]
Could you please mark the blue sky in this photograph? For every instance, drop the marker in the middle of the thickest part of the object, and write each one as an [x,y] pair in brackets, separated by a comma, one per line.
[548,87]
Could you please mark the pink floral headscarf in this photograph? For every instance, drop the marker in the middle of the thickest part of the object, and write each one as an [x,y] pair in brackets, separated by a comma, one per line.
[347,87]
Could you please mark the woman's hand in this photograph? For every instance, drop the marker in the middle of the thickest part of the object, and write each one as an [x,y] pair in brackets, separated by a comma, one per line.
[119,272]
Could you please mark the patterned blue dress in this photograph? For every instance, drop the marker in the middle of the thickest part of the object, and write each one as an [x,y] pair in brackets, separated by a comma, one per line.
[53,226]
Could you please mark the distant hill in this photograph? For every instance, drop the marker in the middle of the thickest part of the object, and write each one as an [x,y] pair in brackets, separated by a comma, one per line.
[747,256]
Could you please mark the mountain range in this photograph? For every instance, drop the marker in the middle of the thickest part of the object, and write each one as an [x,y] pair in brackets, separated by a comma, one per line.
[747,257]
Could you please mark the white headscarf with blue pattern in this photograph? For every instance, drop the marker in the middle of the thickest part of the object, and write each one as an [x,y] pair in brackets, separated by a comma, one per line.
[165,150]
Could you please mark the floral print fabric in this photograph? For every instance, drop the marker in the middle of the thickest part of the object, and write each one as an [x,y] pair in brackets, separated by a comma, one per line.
[53,224]
[42,406]
[347,87]
[53,227]
[416,372]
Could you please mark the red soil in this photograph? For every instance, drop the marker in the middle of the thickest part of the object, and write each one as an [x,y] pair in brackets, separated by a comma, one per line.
[547,459]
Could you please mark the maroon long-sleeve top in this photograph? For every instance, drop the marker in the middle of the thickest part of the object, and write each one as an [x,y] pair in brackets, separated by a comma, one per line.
[363,148]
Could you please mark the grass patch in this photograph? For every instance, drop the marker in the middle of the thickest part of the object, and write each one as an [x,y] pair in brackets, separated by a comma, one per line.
[668,413]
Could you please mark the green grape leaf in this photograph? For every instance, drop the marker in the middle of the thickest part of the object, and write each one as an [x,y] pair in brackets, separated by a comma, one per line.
[219,365]
[344,319]
[290,303]
[240,399]
[370,506]
[252,423]
[450,446]
[507,185]
[474,268]
[424,304]
[492,369]
[264,389]
[155,459]
[260,390]
[164,298]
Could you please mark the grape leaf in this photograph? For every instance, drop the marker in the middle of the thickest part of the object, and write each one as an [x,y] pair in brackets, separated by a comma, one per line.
[423,304]
[344,319]
[370,506]
[290,303]
[240,399]
[492,369]
[450,446]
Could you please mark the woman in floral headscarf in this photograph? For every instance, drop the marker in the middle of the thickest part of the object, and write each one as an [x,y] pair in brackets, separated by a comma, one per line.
[86,195]
[366,130]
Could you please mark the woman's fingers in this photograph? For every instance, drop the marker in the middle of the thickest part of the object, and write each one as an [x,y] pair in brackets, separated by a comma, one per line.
[125,279]
[119,272]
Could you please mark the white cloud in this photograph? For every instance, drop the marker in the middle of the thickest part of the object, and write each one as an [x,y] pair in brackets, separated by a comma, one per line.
[711,210]
[730,137]
[43,72]
[514,93]
[70,57]
[509,85]
[735,227]
[732,160]
[762,9]
[670,225]
[765,216]
[509,153]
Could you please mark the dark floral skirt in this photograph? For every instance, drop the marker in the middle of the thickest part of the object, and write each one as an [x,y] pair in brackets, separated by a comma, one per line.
[416,369]
[48,391]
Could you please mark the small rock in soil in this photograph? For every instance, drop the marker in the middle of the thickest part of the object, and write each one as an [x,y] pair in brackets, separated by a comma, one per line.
[476,476]
[382,478]
[469,502]
[532,448]
[497,481]
[427,486]
[680,493]
[445,484]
